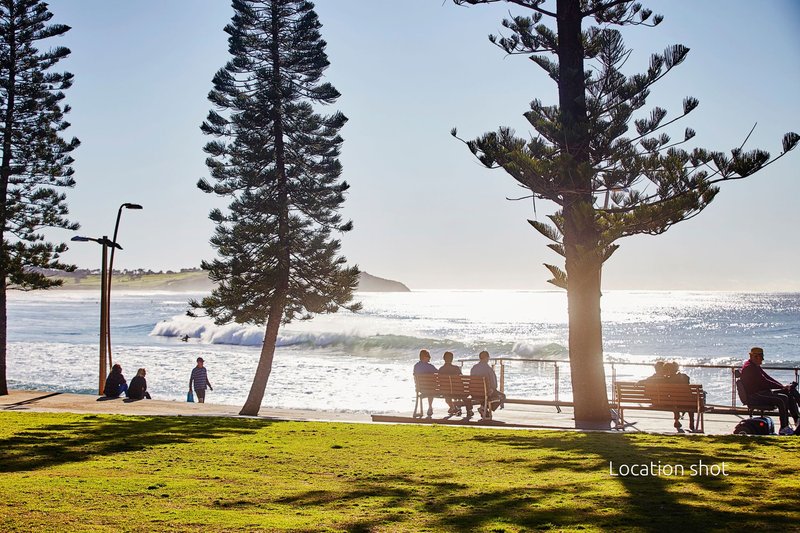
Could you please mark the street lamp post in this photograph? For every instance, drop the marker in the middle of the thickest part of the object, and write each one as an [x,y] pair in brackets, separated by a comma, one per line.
[110,275]
[105,243]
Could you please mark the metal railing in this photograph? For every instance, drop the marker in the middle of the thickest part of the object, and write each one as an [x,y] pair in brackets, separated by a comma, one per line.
[556,401]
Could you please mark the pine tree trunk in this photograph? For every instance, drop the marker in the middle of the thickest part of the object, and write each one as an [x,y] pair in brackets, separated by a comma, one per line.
[580,230]
[252,405]
[585,328]
[5,176]
[3,336]
[3,274]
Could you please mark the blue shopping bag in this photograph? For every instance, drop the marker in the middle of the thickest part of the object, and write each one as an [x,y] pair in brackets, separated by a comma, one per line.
[190,397]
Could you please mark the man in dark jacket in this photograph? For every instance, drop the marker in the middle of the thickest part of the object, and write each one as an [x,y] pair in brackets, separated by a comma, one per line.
[449,369]
[762,389]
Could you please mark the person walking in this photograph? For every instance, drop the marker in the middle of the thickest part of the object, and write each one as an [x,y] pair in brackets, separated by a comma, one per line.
[199,378]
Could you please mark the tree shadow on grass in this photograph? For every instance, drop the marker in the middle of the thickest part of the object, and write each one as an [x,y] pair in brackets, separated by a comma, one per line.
[664,502]
[392,491]
[57,444]
[435,502]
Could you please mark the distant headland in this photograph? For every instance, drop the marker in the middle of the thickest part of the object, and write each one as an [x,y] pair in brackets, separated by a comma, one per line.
[370,283]
[184,280]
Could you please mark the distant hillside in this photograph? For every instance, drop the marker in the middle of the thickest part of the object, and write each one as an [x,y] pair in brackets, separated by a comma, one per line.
[187,280]
[370,283]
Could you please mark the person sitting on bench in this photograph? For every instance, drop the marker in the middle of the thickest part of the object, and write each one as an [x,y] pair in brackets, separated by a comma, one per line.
[667,373]
[762,389]
[424,366]
[674,377]
[482,368]
[449,369]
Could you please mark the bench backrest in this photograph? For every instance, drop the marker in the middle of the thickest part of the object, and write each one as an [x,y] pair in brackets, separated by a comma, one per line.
[667,395]
[741,391]
[450,385]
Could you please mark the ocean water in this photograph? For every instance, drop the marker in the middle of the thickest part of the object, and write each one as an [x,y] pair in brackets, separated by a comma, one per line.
[362,362]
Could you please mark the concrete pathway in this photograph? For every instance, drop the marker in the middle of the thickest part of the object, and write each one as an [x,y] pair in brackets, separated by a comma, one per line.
[37,401]
[513,416]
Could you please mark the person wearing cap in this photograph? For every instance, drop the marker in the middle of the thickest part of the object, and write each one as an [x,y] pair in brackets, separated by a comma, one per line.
[200,379]
[424,366]
[763,389]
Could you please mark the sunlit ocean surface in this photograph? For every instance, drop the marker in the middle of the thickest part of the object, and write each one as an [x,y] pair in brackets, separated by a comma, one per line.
[362,362]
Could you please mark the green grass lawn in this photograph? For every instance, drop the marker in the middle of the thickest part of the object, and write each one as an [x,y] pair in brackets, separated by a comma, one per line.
[98,473]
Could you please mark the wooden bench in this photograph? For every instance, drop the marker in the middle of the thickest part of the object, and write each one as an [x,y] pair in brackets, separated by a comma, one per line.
[451,386]
[671,397]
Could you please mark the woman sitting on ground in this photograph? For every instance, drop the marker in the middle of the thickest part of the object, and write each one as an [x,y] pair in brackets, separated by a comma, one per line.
[137,390]
[115,383]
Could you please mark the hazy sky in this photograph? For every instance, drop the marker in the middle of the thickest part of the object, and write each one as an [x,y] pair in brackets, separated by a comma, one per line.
[425,211]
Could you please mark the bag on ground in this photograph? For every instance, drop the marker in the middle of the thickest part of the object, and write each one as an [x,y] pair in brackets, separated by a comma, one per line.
[759,425]
[190,397]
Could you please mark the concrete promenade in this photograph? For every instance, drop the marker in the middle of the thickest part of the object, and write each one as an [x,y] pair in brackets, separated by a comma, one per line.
[513,416]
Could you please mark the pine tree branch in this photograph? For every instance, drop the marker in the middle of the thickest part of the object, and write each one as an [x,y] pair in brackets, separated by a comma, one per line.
[603,7]
[528,4]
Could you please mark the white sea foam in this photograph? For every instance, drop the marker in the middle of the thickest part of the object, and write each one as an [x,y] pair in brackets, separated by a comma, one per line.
[204,331]
[536,351]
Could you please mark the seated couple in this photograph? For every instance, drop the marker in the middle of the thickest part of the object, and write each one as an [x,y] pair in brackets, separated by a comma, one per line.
[116,384]
[482,368]
[667,373]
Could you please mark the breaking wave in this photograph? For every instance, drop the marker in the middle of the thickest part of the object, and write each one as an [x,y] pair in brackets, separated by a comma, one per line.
[206,332]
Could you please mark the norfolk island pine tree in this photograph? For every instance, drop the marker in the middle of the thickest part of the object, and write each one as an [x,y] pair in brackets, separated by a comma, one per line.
[278,160]
[35,159]
[583,161]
